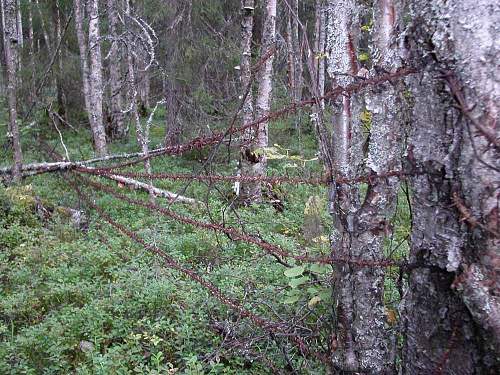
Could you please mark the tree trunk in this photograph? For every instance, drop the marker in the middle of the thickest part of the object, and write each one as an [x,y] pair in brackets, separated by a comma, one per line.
[172,105]
[19,25]
[10,37]
[119,130]
[61,102]
[31,37]
[452,308]
[359,326]
[95,80]
[247,8]
[142,133]
[320,49]
[256,156]
[297,52]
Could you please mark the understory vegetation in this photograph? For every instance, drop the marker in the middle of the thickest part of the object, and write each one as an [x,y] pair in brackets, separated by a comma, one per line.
[82,298]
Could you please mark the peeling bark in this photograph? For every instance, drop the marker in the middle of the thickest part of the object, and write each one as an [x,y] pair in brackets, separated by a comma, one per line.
[91,71]
[342,29]
[10,37]
[452,309]
[256,162]
[95,80]
[119,130]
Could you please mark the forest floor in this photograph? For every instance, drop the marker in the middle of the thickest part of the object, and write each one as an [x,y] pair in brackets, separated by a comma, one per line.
[88,300]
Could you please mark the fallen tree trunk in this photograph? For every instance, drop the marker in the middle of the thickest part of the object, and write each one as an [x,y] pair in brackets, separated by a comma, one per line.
[44,167]
[39,168]
[138,185]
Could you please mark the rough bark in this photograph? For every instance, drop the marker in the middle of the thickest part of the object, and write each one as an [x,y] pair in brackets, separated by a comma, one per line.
[61,102]
[247,8]
[342,30]
[118,130]
[95,80]
[452,308]
[256,156]
[31,52]
[297,52]
[320,47]
[142,132]
[19,25]
[10,37]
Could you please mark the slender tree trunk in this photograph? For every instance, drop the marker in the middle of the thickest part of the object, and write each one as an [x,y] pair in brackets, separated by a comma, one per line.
[320,49]
[19,21]
[297,53]
[82,45]
[119,129]
[342,37]
[247,8]
[173,124]
[452,308]
[291,57]
[95,80]
[46,37]
[257,158]
[142,133]
[59,66]
[10,37]
[31,37]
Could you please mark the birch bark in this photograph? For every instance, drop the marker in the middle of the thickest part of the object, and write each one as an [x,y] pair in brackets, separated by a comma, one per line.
[142,132]
[119,129]
[452,309]
[10,37]
[95,80]
[342,36]
[256,156]
[247,8]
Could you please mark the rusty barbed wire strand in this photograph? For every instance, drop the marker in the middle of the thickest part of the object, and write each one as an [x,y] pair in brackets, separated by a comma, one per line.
[202,142]
[237,235]
[265,324]
[324,180]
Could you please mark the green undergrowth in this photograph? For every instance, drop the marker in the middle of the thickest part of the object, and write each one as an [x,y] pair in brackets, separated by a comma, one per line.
[88,300]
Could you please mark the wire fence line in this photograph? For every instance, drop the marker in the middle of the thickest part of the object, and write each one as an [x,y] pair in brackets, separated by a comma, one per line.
[271,327]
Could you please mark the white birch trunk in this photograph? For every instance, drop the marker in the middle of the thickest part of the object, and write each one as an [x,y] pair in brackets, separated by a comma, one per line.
[342,36]
[118,127]
[142,133]
[95,80]
[247,9]
[10,37]
[253,191]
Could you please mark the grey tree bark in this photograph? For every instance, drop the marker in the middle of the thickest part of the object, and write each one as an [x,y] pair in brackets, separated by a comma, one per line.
[360,227]
[10,37]
[452,307]
[91,62]
[247,8]
[142,132]
[297,52]
[255,155]
[95,80]
[118,130]
[341,42]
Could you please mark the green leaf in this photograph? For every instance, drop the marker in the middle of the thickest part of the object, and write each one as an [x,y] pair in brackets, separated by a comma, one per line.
[292,297]
[294,283]
[294,271]
[320,268]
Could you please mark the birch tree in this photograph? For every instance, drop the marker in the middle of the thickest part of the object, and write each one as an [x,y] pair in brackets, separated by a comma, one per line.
[256,161]
[452,308]
[342,36]
[91,61]
[11,43]
[119,129]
